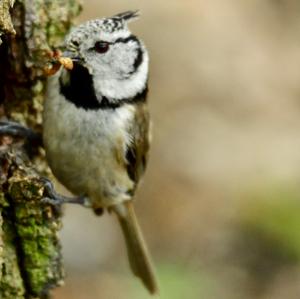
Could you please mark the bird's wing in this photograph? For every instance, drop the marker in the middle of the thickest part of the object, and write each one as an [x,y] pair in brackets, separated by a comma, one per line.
[137,151]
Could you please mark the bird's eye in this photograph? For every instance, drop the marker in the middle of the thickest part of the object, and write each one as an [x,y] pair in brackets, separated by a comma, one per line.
[101,47]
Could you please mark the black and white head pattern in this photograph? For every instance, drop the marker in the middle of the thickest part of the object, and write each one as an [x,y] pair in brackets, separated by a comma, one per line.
[111,63]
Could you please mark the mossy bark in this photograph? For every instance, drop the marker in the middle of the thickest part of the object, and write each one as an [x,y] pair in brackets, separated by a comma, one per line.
[30,258]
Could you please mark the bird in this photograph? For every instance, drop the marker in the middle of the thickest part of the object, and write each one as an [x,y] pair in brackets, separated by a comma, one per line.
[96,125]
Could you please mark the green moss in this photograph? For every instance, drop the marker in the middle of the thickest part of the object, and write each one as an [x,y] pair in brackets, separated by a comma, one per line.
[36,226]
[11,283]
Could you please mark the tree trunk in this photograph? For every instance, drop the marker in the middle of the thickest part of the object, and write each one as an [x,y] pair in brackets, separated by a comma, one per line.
[30,257]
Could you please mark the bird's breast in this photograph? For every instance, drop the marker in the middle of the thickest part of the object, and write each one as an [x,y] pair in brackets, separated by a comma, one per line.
[85,148]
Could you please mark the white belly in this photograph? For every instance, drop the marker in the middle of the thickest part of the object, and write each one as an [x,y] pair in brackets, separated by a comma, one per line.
[85,149]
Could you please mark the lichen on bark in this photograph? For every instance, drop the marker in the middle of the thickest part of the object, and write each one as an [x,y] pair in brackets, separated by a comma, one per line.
[30,258]
[6,26]
[40,26]
[36,227]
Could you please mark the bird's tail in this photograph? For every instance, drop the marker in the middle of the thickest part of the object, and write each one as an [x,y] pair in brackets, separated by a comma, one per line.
[138,254]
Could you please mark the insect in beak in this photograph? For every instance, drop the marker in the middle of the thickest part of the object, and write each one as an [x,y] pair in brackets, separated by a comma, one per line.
[58,59]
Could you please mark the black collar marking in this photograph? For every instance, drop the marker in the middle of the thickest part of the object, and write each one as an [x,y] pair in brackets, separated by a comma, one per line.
[80,91]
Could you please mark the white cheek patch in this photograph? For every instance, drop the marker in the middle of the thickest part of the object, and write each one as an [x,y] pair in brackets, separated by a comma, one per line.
[117,89]
[121,59]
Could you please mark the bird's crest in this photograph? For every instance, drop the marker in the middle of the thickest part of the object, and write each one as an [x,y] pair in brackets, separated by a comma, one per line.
[128,16]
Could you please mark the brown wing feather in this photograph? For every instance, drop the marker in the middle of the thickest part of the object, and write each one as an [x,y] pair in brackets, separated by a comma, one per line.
[137,151]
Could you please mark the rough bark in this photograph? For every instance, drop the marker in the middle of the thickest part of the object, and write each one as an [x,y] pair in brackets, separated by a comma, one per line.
[30,257]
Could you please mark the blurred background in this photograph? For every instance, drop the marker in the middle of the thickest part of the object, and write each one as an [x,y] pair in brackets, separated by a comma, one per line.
[220,202]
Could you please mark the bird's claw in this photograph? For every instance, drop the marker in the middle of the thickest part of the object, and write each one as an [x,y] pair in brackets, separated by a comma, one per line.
[51,201]
[32,139]
[53,198]
[17,130]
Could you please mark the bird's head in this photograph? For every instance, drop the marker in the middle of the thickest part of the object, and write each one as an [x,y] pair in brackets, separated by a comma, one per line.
[116,60]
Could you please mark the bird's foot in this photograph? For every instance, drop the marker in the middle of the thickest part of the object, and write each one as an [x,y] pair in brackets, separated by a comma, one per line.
[17,130]
[53,198]
[31,139]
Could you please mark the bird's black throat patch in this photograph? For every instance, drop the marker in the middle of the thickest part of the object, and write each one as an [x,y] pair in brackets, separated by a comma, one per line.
[79,90]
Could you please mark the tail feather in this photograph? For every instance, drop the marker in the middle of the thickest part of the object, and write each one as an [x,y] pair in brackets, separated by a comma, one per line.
[138,254]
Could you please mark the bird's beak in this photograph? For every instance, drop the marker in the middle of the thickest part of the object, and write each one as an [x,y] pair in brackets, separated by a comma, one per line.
[72,55]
